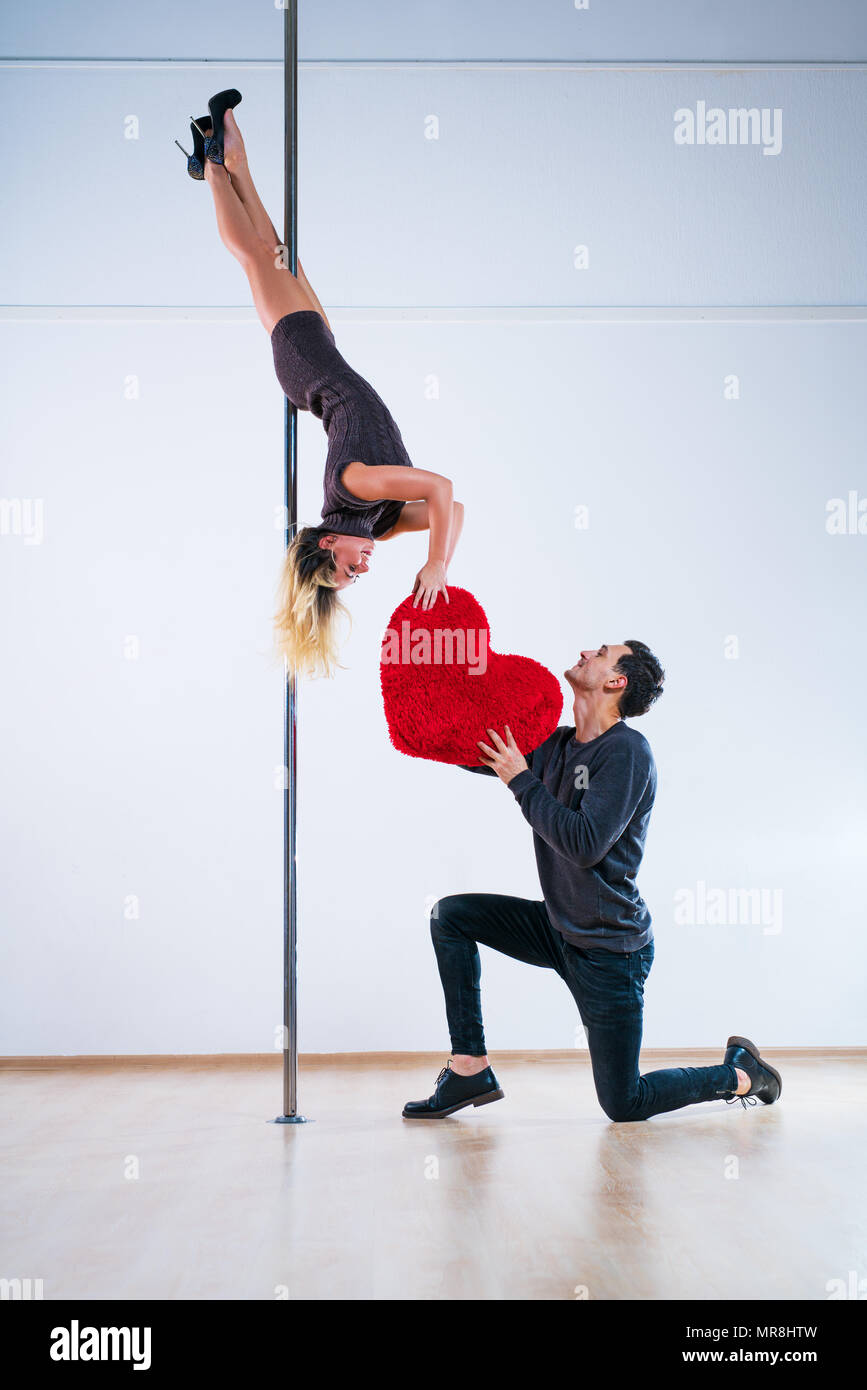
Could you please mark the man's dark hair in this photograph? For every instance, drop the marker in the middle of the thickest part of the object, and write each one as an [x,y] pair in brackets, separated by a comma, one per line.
[644,677]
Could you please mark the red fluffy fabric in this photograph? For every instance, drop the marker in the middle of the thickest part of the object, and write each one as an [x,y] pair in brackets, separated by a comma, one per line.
[436,707]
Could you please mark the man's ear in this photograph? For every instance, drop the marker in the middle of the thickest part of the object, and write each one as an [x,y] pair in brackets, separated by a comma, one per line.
[616,683]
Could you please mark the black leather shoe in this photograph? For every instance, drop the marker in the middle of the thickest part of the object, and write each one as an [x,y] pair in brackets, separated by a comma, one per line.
[766,1084]
[452,1093]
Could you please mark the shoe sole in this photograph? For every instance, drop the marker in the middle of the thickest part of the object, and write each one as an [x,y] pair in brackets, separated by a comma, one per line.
[461,1105]
[751,1048]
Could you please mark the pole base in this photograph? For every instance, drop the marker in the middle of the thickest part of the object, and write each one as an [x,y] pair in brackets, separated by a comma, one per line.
[289,1120]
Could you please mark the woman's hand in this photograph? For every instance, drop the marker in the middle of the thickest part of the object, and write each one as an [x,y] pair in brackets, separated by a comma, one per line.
[430,581]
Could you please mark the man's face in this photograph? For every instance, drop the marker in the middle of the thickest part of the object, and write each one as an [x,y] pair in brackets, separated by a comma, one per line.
[594,669]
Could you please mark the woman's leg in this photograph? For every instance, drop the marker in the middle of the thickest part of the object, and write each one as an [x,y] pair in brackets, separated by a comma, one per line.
[235,155]
[305,285]
[275,291]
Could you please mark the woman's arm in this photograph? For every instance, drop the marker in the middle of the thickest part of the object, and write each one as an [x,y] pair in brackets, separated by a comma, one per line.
[457,527]
[414,517]
[412,485]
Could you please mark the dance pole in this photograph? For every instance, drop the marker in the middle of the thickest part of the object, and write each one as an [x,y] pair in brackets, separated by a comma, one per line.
[290,1114]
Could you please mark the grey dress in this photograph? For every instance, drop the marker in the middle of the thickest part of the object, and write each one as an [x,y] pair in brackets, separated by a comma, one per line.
[315,377]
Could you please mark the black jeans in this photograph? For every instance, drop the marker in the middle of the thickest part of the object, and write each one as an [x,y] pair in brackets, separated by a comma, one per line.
[607,986]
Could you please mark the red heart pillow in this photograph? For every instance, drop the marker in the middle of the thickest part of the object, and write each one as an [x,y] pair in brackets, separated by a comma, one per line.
[443,686]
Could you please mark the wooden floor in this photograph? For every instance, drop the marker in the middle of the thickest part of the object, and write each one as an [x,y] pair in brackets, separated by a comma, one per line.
[538,1196]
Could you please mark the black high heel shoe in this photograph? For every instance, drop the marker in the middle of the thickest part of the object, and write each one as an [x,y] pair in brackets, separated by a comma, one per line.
[218,106]
[196,160]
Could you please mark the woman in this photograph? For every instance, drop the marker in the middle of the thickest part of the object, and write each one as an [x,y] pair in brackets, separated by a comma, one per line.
[372,492]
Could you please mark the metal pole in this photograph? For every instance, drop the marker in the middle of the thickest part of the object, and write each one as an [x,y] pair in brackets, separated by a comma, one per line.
[290,726]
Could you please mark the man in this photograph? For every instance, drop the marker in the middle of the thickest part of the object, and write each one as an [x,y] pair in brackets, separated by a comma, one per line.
[587,792]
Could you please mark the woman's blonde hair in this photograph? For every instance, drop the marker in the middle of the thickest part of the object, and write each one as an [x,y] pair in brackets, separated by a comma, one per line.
[308,605]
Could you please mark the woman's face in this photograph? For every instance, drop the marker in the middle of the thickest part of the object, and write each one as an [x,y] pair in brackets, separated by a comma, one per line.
[352,556]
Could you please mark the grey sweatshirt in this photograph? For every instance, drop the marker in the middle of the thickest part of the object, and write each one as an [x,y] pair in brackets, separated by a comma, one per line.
[589,805]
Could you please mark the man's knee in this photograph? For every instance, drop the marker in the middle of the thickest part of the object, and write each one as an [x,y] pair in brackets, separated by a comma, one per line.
[622,1114]
[621,1108]
[442,916]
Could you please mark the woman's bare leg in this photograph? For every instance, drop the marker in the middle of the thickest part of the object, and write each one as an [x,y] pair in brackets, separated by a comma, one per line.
[235,155]
[275,291]
[305,285]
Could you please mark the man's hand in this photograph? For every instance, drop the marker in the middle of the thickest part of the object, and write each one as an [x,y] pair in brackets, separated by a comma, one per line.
[506,759]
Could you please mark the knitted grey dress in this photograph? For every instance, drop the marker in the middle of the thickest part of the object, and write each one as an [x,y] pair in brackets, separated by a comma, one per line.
[359,425]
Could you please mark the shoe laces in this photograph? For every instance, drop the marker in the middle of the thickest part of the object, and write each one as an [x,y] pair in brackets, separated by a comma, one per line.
[445,1071]
[744,1100]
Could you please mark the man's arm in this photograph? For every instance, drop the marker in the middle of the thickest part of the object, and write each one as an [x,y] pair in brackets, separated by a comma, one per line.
[586,835]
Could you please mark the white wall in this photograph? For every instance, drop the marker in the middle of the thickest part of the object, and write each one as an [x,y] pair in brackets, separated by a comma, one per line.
[148,771]
[527,165]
